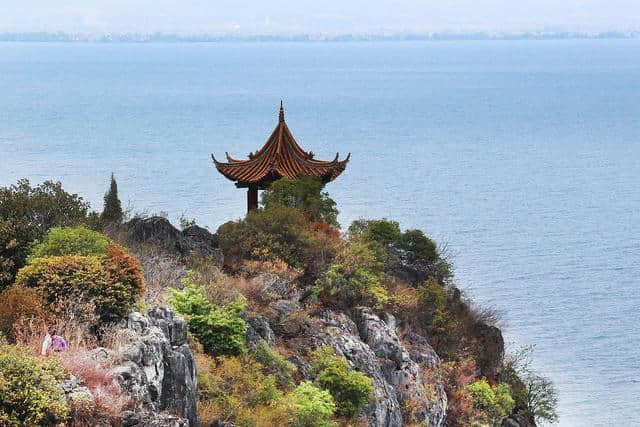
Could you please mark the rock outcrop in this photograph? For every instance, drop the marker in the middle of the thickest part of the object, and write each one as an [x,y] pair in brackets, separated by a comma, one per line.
[372,347]
[399,370]
[517,420]
[158,232]
[158,371]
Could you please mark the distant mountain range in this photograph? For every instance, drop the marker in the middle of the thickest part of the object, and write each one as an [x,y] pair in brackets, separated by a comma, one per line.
[200,38]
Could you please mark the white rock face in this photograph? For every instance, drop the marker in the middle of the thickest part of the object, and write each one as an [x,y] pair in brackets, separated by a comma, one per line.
[158,370]
[372,346]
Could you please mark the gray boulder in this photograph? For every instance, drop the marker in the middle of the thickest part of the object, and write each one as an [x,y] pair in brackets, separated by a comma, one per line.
[158,368]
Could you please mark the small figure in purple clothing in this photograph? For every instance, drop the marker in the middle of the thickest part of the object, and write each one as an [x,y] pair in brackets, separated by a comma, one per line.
[58,343]
[53,341]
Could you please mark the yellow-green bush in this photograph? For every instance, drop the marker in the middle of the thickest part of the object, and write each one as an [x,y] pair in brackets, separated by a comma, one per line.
[273,234]
[494,403]
[29,391]
[220,330]
[310,406]
[71,241]
[350,389]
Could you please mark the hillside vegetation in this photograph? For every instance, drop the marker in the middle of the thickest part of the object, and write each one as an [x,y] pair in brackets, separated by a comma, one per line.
[293,321]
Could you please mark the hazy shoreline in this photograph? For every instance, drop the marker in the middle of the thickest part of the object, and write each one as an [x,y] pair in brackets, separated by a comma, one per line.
[39,37]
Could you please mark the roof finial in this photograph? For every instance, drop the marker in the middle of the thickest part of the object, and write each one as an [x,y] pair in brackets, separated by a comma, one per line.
[281,112]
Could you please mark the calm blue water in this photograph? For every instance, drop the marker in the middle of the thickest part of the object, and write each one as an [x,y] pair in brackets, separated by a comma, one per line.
[523,156]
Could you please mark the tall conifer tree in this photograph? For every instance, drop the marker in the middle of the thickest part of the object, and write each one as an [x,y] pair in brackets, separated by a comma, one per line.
[112,212]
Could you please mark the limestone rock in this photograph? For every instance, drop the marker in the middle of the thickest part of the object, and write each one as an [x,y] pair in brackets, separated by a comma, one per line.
[258,330]
[158,369]
[340,333]
[400,371]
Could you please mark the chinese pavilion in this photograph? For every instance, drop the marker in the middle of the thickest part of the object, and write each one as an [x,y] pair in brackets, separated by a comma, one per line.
[280,157]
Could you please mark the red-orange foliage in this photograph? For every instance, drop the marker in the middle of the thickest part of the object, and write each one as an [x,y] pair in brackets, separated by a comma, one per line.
[457,376]
[18,302]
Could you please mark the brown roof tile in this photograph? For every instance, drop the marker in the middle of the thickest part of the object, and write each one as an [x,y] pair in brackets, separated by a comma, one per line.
[281,156]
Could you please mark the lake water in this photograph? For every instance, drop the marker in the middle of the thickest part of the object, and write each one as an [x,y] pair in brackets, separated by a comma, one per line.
[523,156]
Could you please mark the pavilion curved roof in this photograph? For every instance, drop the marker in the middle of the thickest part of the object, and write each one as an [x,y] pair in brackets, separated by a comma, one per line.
[280,157]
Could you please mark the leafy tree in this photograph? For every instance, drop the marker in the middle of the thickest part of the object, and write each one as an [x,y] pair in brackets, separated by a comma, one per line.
[221,330]
[535,395]
[112,212]
[411,255]
[42,207]
[350,389]
[304,193]
[29,390]
[26,214]
[71,241]
[15,238]
[311,406]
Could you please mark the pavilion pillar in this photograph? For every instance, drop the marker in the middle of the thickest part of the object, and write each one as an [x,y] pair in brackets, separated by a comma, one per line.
[252,198]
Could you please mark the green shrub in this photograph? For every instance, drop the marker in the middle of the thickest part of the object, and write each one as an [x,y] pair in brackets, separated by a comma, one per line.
[221,331]
[350,389]
[305,194]
[311,406]
[355,277]
[274,363]
[26,214]
[495,402]
[278,233]
[29,391]
[113,282]
[535,395]
[71,241]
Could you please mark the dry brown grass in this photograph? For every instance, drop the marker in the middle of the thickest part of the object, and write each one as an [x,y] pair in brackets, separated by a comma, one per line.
[71,321]
[98,377]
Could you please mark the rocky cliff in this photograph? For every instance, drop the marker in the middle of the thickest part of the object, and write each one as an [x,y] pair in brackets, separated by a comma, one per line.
[370,344]
[158,369]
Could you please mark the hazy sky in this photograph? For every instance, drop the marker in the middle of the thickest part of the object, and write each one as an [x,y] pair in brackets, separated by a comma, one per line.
[316,16]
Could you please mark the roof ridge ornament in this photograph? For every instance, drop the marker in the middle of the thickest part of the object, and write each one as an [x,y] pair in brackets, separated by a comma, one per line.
[281,118]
